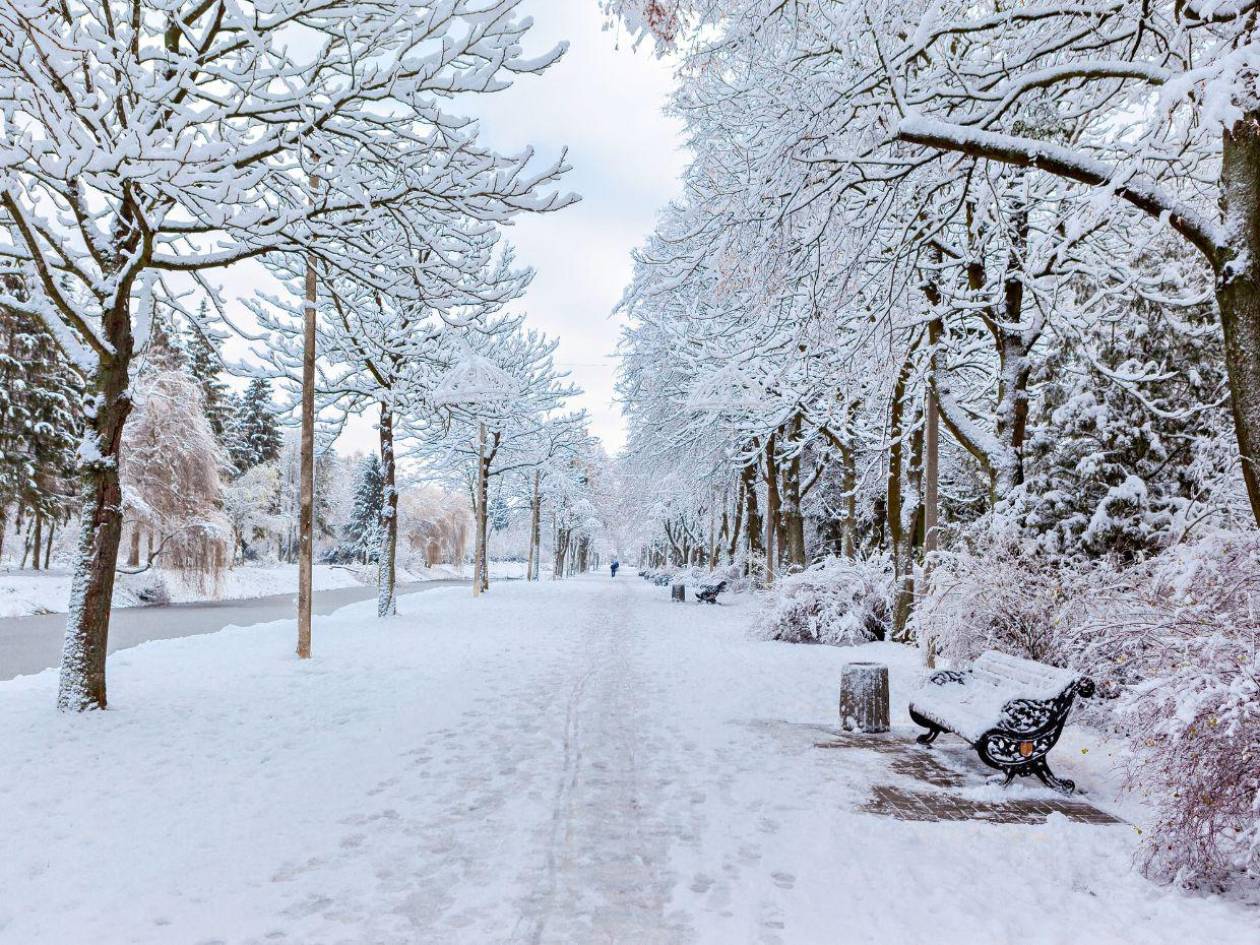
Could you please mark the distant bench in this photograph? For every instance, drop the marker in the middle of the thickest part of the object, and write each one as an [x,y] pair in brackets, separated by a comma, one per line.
[709,593]
[1011,710]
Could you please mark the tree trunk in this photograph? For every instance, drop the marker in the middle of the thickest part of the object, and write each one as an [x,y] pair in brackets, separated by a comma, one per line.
[748,475]
[482,516]
[52,530]
[1238,291]
[386,601]
[1014,344]
[772,508]
[535,532]
[306,462]
[38,540]
[931,506]
[82,681]
[793,515]
[737,529]
[848,480]
[560,549]
[899,512]
[133,553]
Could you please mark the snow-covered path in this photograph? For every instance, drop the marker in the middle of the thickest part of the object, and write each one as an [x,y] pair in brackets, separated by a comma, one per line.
[559,763]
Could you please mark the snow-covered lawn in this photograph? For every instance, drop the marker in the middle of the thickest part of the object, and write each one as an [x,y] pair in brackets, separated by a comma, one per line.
[46,592]
[554,763]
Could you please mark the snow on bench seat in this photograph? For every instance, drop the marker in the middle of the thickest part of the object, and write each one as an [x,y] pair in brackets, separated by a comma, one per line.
[1010,710]
[973,703]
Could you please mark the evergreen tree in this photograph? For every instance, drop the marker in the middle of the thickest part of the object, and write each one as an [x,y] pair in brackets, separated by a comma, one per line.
[1111,465]
[40,421]
[205,365]
[500,514]
[363,532]
[255,435]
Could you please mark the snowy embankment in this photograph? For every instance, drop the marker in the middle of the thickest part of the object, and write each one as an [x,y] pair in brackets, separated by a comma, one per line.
[46,592]
[566,763]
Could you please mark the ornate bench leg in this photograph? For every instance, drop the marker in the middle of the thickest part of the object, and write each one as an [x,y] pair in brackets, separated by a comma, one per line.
[933,729]
[1047,777]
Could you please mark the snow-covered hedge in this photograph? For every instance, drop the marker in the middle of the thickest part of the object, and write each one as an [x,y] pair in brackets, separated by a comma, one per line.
[1174,644]
[996,597]
[1183,637]
[838,601]
[698,576]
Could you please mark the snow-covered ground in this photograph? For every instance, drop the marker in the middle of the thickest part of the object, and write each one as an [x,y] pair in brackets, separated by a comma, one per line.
[46,592]
[572,763]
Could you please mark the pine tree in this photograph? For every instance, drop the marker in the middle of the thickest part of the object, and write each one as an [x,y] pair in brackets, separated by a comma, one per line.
[205,364]
[40,419]
[254,436]
[363,532]
[1109,475]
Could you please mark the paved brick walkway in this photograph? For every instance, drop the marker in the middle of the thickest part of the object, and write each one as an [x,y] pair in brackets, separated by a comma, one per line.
[929,788]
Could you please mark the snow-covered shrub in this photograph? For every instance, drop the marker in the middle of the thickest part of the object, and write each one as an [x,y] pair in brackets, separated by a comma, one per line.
[999,597]
[1174,646]
[838,601]
[1183,635]
[150,588]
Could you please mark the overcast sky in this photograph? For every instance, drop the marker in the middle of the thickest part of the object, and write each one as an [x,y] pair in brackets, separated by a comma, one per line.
[604,104]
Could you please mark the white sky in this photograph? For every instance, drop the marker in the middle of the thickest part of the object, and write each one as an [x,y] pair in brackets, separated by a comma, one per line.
[603,103]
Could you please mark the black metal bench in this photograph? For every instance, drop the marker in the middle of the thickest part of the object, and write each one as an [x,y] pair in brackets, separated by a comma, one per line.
[708,594]
[1011,710]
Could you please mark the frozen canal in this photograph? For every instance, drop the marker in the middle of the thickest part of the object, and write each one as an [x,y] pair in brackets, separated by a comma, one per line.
[31,644]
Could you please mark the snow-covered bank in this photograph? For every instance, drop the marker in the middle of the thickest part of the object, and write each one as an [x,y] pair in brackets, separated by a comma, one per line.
[566,763]
[46,592]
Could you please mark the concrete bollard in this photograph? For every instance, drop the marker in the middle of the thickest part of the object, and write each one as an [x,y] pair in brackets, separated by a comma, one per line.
[678,592]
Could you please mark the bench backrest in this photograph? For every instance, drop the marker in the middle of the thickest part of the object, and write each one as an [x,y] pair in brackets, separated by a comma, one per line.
[1032,680]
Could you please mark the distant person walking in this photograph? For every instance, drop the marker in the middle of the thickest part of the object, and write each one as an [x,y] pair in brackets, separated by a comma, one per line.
[615,565]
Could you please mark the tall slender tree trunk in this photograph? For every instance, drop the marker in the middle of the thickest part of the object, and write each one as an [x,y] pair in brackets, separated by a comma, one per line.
[931,506]
[1238,291]
[133,552]
[480,566]
[82,681]
[900,511]
[535,531]
[772,508]
[386,599]
[306,462]
[561,553]
[38,540]
[52,530]
[748,476]
[793,514]
[848,481]
[737,528]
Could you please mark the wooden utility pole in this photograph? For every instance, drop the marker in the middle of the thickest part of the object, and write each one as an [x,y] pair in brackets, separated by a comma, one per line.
[306,503]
